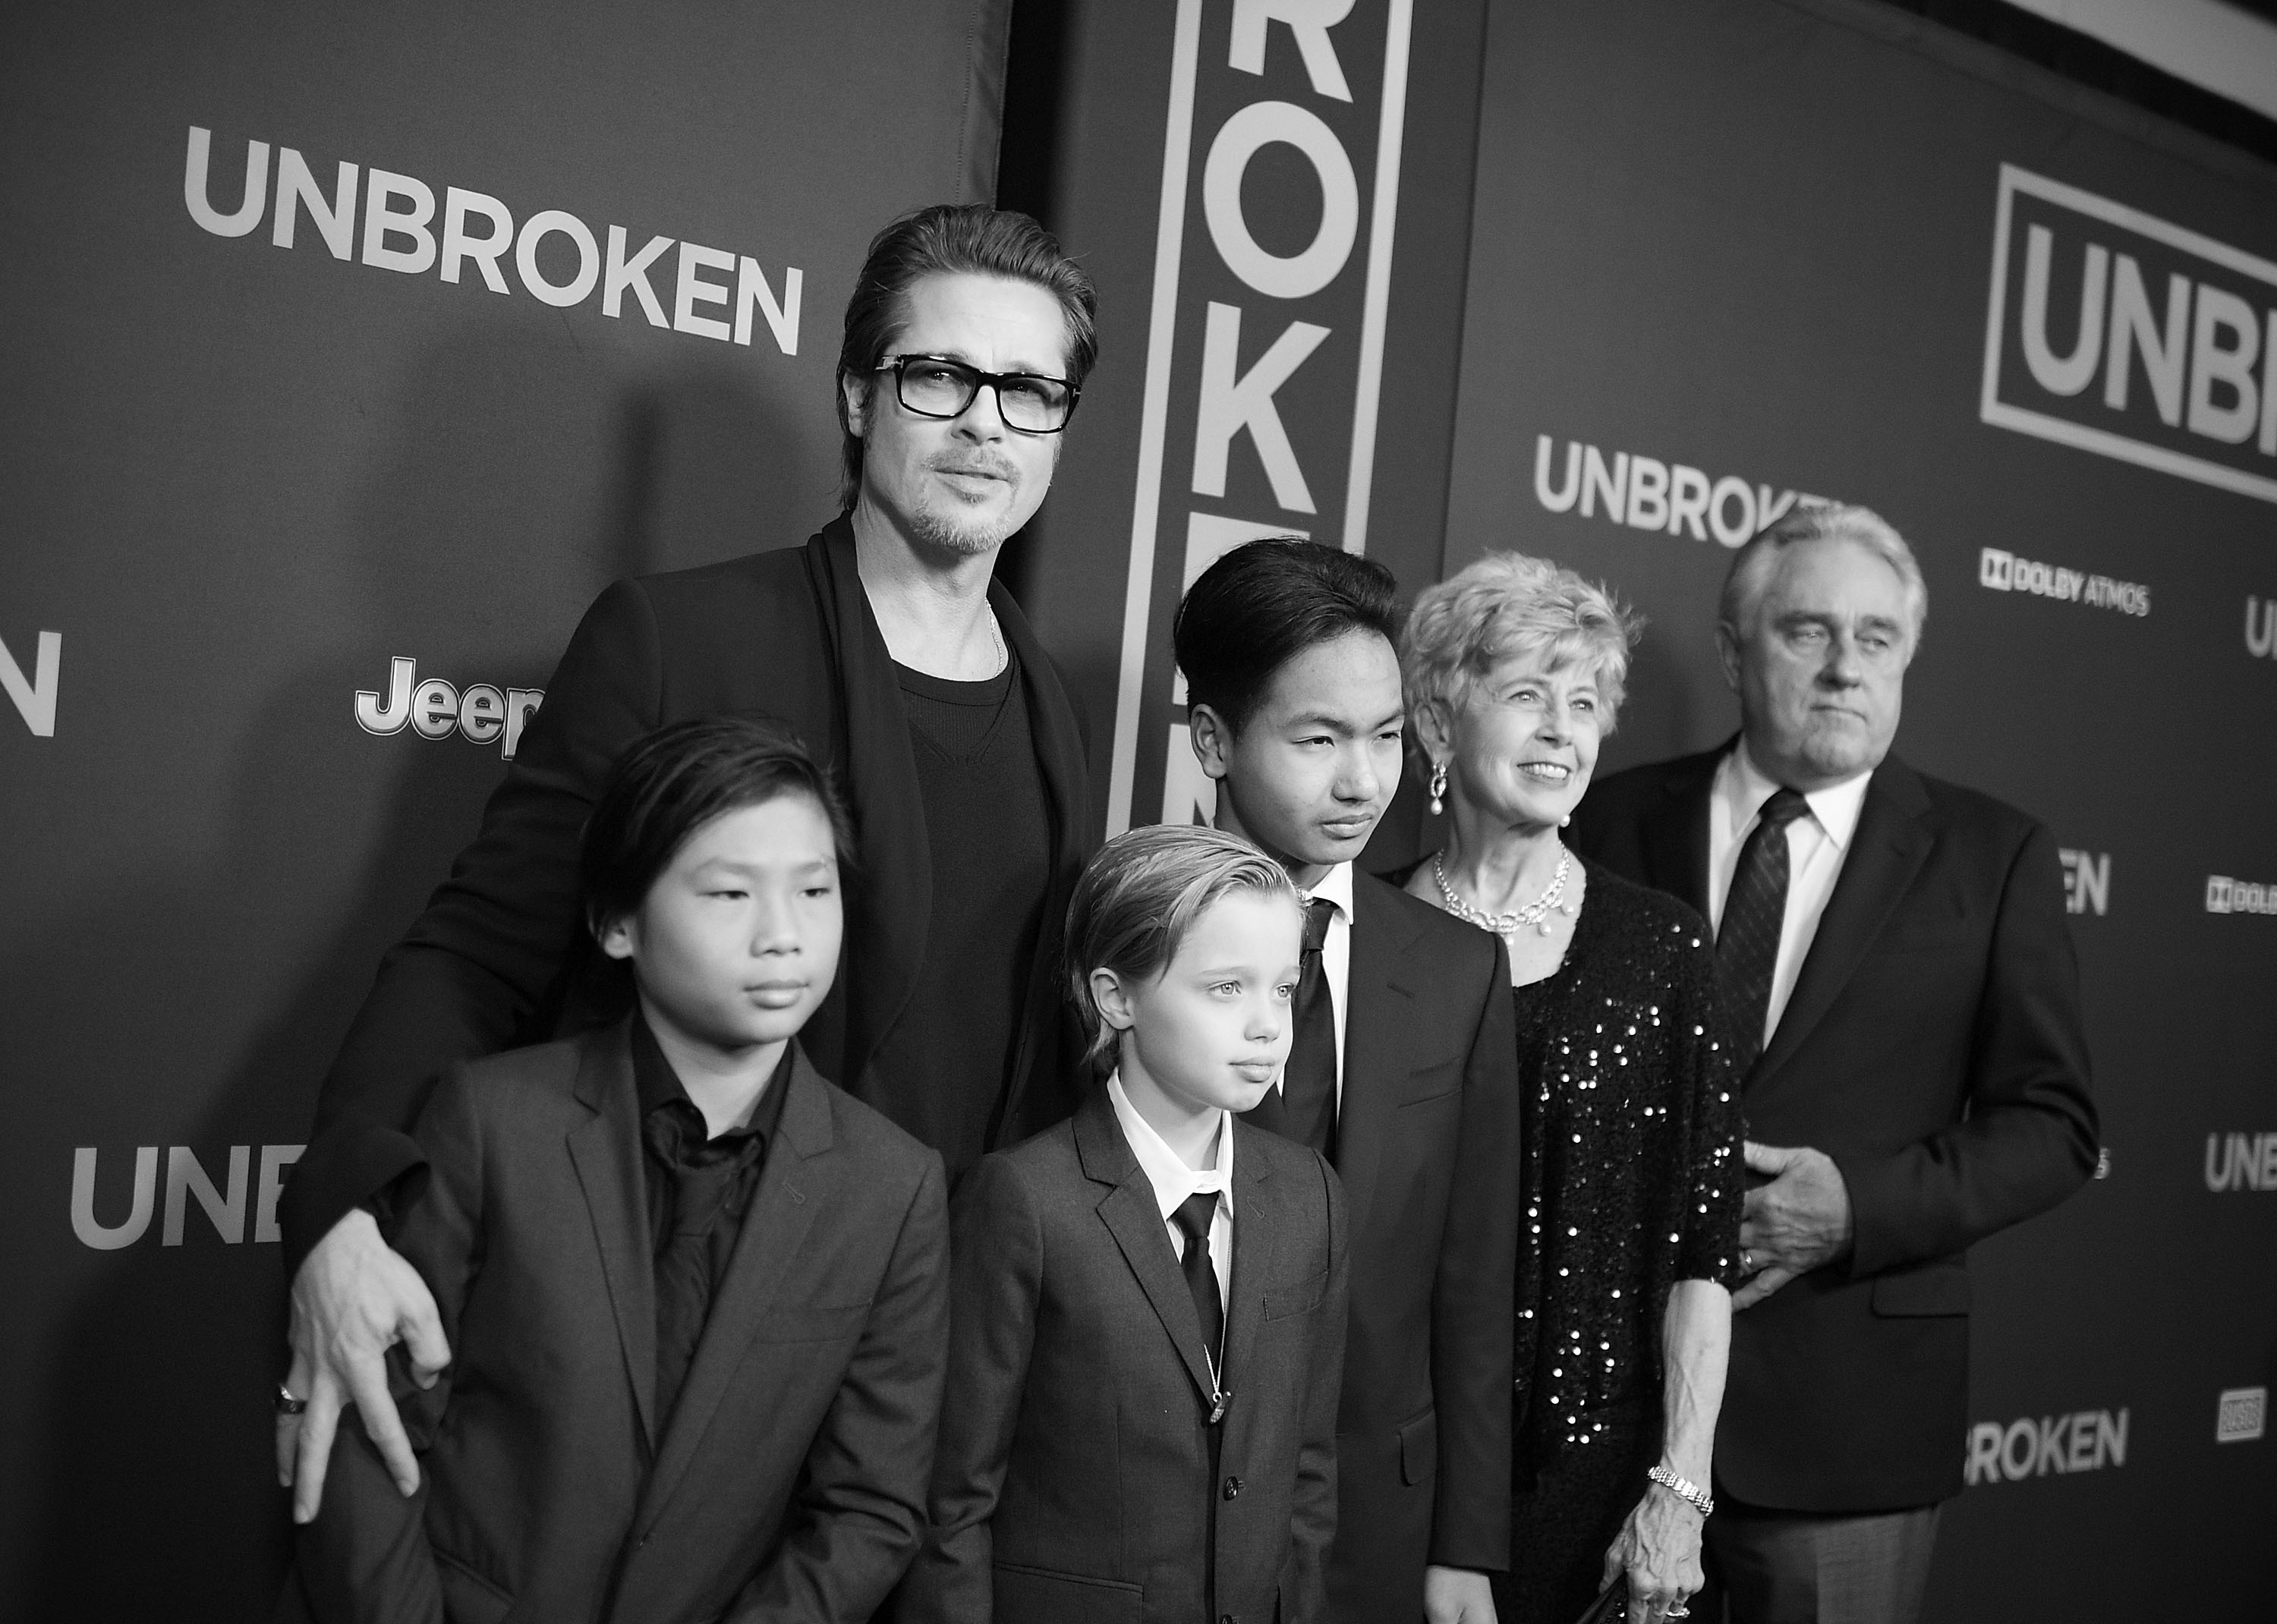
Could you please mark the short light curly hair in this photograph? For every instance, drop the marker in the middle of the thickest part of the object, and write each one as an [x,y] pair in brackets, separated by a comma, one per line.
[1507,603]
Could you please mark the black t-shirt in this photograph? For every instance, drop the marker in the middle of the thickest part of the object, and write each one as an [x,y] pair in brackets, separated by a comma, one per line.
[987,814]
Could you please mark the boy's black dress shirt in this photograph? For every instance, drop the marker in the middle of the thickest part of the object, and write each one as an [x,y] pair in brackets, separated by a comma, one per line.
[699,1190]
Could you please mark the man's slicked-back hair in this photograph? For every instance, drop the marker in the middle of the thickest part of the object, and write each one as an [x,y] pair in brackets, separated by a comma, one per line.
[952,240]
[1140,895]
[1813,519]
[671,783]
[1264,604]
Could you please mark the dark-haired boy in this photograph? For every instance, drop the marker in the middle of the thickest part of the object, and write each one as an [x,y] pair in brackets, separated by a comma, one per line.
[1404,1071]
[887,645]
[696,1293]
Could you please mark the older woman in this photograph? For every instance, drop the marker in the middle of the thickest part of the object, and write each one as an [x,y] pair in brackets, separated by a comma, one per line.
[1630,1177]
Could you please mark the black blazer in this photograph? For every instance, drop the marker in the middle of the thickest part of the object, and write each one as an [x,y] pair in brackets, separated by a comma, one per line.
[1074,1479]
[501,956]
[1933,1048]
[1428,1148]
[790,1483]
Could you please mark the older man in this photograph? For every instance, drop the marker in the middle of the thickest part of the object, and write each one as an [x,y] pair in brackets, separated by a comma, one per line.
[1903,1004]
[887,646]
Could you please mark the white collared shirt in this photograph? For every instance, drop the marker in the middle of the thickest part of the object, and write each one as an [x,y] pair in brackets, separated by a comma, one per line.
[1172,1181]
[1816,846]
[1336,886]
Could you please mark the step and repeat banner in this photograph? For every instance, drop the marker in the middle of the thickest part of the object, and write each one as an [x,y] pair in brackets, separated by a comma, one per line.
[355,351]
[1723,252]
[1274,200]
[351,351]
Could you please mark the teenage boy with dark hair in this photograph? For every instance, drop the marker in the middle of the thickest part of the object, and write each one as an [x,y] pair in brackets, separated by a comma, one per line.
[696,1293]
[1121,1445]
[1404,1071]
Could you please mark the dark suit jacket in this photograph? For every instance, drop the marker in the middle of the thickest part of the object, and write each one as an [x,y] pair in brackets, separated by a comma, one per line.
[1933,1048]
[1074,1480]
[790,1483]
[1428,1148]
[501,956]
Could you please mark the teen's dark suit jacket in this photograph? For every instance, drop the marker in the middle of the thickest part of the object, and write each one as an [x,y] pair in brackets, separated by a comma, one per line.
[1933,1049]
[1426,1146]
[500,956]
[1074,1483]
[790,1483]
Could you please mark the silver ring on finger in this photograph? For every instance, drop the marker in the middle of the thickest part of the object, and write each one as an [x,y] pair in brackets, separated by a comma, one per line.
[286,1404]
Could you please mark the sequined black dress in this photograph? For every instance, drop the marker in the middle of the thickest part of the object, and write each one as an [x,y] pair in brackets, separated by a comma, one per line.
[1631,1182]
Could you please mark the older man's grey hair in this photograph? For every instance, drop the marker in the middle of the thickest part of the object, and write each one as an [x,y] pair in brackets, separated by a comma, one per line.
[1817,520]
[1507,603]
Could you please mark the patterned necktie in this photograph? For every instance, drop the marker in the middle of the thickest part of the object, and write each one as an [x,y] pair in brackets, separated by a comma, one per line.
[1192,1218]
[1747,945]
[1308,1082]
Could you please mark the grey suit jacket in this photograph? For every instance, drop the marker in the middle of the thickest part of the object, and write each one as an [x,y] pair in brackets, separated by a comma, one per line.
[790,1482]
[1074,1479]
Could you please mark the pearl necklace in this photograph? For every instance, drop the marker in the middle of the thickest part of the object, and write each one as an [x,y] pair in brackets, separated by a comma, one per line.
[1536,913]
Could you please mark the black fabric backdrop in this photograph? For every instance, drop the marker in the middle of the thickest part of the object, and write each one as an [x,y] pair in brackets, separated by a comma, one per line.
[240,481]
[1731,249]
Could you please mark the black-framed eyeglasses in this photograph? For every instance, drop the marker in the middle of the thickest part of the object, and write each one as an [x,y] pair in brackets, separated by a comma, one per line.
[935,386]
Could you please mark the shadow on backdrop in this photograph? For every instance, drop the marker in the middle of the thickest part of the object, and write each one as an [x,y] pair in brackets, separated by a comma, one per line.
[153,1467]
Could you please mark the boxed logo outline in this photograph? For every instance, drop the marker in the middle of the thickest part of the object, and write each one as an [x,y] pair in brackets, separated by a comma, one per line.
[2197,313]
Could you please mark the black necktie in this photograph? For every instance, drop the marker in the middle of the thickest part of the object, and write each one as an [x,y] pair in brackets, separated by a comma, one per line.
[1307,1110]
[1747,945]
[1192,1218]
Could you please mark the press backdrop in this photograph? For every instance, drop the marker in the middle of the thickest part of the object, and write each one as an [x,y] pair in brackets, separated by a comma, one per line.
[293,523]
[1720,253]
[1726,251]
[265,459]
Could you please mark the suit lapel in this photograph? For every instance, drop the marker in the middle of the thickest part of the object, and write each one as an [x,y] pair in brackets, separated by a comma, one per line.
[1060,757]
[1256,1231]
[605,1151]
[1675,832]
[1129,1212]
[1379,1002]
[797,1179]
[893,890]
[1886,850]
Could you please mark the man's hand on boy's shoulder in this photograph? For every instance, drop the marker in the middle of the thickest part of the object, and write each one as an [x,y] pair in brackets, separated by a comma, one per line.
[352,1299]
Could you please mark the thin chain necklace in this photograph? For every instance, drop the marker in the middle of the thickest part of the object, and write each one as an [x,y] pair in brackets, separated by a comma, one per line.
[1003,655]
[1536,913]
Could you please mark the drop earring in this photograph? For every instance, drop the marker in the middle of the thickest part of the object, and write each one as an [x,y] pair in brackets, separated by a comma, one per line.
[1438,788]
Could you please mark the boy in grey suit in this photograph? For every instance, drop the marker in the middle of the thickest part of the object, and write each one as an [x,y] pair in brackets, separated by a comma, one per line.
[1147,1329]
[696,1294]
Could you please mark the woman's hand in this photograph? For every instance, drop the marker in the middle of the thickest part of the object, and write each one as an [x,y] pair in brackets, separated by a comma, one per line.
[1658,1550]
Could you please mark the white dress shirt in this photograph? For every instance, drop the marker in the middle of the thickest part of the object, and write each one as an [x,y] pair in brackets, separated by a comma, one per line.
[1335,887]
[1174,1181]
[1815,846]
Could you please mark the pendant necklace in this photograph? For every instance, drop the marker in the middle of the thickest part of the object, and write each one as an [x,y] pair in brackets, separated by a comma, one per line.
[1536,913]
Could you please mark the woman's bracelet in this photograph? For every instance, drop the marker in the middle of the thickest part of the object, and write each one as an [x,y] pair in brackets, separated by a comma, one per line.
[1691,1493]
